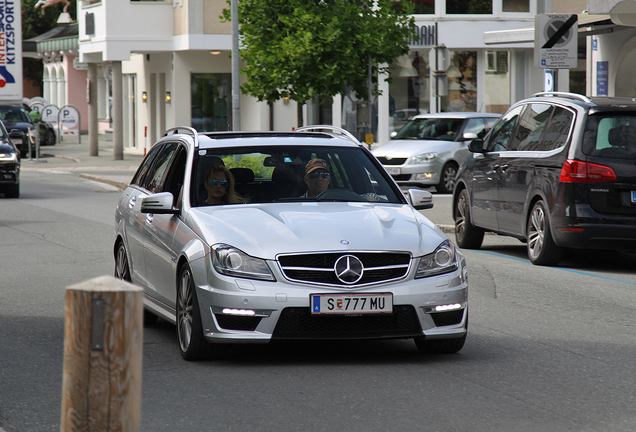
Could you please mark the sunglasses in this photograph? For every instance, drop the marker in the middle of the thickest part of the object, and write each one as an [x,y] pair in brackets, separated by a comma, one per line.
[224,183]
[315,175]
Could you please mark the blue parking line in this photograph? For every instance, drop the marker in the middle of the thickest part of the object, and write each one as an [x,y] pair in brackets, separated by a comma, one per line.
[558,268]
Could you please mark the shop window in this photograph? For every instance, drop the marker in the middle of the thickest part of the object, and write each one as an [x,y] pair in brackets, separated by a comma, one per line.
[420,6]
[211,108]
[474,7]
[409,93]
[462,83]
[515,6]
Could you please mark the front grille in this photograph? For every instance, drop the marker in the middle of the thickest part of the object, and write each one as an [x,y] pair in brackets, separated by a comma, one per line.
[234,322]
[298,323]
[319,268]
[447,318]
[394,161]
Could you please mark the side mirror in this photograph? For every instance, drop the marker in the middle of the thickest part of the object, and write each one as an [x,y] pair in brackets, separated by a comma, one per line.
[476,145]
[469,136]
[420,199]
[393,134]
[159,203]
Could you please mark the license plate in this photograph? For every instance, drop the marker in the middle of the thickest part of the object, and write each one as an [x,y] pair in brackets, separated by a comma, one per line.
[393,170]
[634,196]
[351,303]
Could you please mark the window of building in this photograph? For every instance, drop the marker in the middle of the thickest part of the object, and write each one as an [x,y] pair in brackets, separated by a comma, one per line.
[462,82]
[409,92]
[515,5]
[421,6]
[473,7]
[211,104]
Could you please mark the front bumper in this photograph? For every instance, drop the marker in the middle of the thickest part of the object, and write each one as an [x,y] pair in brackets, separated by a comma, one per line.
[281,310]
[9,173]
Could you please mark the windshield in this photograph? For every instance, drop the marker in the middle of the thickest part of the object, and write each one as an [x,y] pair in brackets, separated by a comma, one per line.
[13,114]
[444,129]
[610,136]
[262,174]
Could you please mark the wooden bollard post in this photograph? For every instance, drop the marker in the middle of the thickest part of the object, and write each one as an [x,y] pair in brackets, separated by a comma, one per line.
[103,330]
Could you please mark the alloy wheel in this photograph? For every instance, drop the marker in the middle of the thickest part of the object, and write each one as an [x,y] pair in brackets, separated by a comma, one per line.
[185,309]
[536,231]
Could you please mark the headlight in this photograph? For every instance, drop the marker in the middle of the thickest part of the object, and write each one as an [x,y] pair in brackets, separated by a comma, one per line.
[8,157]
[421,158]
[232,262]
[443,260]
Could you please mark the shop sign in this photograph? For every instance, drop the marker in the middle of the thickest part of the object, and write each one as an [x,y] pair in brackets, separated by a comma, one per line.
[10,50]
[426,34]
[601,78]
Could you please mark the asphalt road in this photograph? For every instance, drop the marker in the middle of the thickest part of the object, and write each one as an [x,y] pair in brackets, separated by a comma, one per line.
[548,348]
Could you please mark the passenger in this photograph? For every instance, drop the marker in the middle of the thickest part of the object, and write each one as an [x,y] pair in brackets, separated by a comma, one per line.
[219,182]
[318,177]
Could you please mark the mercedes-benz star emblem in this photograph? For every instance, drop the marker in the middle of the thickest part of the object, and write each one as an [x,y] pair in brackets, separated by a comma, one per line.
[349,269]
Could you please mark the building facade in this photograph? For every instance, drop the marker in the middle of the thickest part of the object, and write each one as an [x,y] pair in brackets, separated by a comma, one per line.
[167,64]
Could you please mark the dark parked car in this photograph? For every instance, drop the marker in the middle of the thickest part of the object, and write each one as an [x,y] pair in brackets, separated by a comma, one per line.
[557,171]
[9,166]
[16,117]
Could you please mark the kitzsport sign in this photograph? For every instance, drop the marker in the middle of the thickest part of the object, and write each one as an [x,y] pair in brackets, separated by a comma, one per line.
[10,50]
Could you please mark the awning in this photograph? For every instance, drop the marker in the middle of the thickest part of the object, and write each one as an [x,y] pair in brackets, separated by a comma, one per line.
[588,25]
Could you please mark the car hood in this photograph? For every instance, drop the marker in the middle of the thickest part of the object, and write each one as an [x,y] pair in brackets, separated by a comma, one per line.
[407,148]
[266,230]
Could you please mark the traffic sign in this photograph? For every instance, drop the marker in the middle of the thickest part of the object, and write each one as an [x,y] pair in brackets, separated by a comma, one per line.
[556,41]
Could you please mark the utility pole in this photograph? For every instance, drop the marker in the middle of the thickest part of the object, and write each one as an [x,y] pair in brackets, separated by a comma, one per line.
[236,84]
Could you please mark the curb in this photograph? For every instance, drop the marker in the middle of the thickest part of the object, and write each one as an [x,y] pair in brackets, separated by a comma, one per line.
[122,185]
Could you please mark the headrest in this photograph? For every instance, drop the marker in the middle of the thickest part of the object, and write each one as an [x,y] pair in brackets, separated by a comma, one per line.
[242,175]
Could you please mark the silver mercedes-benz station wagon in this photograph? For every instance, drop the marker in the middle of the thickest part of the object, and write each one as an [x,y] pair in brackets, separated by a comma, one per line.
[250,237]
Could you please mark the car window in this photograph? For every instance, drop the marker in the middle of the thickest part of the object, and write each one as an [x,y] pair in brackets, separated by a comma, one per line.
[142,171]
[611,136]
[476,126]
[431,129]
[531,126]
[501,133]
[273,173]
[558,132]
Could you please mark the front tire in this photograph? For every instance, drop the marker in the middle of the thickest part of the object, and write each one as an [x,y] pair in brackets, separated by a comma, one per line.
[467,235]
[447,179]
[541,247]
[49,138]
[192,343]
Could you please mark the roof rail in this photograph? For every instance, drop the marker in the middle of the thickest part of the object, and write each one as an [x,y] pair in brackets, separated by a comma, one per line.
[184,129]
[333,129]
[564,95]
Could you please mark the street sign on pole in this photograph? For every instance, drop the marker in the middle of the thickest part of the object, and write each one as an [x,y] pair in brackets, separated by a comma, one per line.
[556,41]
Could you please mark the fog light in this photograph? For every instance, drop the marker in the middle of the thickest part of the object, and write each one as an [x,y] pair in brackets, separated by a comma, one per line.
[241,312]
[446,308]
[424,176]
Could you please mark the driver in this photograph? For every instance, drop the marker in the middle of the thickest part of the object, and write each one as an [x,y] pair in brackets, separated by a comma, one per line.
[317,178]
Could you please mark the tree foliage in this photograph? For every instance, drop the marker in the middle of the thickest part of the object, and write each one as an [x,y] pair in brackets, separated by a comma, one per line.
[306,48]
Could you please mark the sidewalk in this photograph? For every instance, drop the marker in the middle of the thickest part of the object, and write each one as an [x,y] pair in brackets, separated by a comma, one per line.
[74,157]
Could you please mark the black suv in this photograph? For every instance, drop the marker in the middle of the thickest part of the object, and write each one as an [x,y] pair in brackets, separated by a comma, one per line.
[558,170]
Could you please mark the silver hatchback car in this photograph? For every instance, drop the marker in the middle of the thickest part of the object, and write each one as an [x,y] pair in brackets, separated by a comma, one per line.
[430,148]
[230,240]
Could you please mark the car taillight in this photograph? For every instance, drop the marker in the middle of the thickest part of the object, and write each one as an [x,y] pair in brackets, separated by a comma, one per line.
[584,172]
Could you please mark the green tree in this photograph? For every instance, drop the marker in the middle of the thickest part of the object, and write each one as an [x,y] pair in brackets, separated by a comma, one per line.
[306,48]
[35,23]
